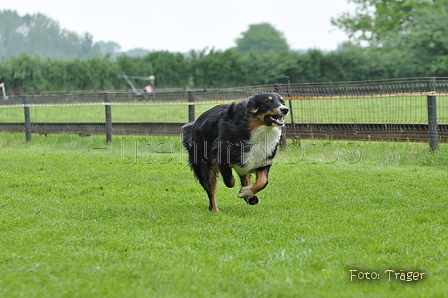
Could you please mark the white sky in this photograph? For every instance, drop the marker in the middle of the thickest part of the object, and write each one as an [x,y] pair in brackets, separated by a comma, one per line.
[182,25]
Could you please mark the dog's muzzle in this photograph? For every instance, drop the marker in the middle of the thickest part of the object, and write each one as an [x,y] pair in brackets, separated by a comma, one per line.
[279,119]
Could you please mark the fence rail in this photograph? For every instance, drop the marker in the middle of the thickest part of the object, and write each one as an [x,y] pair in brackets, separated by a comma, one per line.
[402,109]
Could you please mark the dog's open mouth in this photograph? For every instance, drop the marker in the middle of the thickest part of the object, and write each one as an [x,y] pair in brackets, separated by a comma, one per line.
[277,120]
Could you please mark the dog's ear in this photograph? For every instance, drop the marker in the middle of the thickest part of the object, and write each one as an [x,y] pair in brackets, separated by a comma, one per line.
[231,111]
[253,104]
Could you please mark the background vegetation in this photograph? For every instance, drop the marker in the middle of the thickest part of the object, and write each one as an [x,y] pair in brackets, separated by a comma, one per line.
[388,39]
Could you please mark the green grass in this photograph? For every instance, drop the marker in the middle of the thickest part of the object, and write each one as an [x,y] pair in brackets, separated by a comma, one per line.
[410,109]
[130,221]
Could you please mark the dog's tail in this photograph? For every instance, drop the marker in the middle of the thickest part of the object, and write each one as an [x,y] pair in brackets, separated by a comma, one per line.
[187,138]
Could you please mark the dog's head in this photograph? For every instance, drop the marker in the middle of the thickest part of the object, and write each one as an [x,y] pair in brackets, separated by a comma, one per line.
[267,109]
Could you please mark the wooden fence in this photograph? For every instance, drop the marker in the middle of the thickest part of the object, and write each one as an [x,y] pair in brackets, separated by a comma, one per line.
[406,109]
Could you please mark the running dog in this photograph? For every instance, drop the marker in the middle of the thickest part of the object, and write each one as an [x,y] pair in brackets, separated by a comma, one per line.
[242,136]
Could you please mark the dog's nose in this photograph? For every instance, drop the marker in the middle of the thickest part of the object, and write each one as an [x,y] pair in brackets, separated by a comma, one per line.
[284,110]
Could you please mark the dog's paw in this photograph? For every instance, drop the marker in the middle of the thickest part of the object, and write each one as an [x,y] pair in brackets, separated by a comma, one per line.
[245,192]
[253,200]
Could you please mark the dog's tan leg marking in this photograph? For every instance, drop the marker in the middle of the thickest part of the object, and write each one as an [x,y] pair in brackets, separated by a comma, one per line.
[213,206]
[245,180]
[261,182]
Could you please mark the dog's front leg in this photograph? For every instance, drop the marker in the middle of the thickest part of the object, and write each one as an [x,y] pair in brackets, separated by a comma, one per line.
[227,177]
[248,191]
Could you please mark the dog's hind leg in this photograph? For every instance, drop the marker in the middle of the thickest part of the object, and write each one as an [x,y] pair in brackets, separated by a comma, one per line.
[213,206]
[207,177]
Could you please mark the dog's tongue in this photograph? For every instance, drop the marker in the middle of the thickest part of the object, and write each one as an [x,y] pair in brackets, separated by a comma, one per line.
[279,120]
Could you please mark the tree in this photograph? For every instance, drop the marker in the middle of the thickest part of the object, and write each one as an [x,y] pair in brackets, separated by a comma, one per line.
[102,49]
[425,44]
[376,20]
[39,35]
[86,44]
[262,38]
[12,37]
[137,52]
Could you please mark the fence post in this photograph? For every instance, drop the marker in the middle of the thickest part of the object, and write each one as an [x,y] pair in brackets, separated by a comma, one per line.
[107,101]
[433,130]
[26,102]
[191,112]
[291,114]
[278,88]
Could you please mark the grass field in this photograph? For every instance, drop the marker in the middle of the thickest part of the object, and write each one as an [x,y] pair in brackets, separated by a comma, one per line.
[405,109]
[129,220]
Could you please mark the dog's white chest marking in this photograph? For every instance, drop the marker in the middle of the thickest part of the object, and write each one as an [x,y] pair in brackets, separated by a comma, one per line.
[262,144]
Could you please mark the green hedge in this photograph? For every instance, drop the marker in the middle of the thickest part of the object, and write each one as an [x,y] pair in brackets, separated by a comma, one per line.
[207,69]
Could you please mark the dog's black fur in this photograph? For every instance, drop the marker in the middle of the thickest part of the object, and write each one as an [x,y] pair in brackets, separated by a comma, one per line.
[243,136]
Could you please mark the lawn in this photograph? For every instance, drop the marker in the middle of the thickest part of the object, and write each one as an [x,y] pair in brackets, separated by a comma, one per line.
[81,218]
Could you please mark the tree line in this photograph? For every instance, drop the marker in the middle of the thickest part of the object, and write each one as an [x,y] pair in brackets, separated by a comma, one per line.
[210,69]
[40,35]
[381,46]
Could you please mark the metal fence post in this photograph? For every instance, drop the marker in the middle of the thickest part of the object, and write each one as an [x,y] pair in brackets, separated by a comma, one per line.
[433,130]
[278,88]
[191,110]
[107,101]
[291,114]
[26,106]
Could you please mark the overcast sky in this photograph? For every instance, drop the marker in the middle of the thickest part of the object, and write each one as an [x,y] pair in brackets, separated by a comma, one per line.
[181,25]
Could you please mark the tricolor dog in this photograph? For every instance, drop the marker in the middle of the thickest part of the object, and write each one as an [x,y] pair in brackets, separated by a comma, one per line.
[242,136]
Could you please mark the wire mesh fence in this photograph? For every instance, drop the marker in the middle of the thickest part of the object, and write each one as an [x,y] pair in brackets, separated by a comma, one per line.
[387,101]
[400,101]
